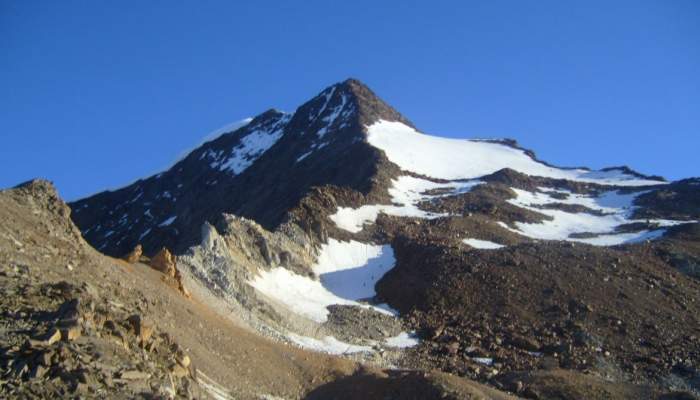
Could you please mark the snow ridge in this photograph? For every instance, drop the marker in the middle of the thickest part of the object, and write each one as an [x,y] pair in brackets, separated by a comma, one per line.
[452,159]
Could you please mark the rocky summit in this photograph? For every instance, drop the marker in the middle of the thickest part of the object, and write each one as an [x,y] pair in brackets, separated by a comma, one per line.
[338,252]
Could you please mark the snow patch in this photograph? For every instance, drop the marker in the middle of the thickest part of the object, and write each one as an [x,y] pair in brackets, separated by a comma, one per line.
[469,159]
[328,344]
[482,244]
[347,273]
[483,360]
[330,119]
[303,156]
[616,209]
[402,340]
[249,149]
[145,233]
[168,221]
[406,193]
[210,136]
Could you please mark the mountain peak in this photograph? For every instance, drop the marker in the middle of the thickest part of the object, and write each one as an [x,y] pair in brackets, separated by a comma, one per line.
[346,104]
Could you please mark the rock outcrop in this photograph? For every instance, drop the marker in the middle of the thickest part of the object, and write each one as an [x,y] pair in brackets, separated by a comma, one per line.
[134,255]
[165,262]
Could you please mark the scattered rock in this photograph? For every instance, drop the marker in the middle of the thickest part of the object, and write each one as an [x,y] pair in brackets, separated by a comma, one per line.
[523,342]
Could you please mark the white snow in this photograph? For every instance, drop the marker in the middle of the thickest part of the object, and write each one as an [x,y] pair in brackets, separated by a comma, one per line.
[330,119]
[327,94]
[402,340]
[250,148]
[483,360]
[328,344]
[230,127]
[303,156]
[406,194]
[225,129]
[138,196]
[347,273]
[482,244]
[145,233]
[331,345]
[617,208]
[469,159]
[168,221]
[301,294]
[620,238]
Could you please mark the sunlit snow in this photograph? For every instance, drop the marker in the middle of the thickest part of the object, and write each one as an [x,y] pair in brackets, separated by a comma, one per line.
[347,273]
[616,207]
[451,159]
[482,244]
[402,340]
[168,221]
[250,148]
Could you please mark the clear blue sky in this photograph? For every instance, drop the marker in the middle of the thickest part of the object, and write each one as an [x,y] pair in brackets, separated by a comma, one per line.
[95,94]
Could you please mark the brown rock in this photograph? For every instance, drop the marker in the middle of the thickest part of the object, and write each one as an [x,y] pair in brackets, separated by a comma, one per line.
[37,372]
[135,255]
[71,332]
[53,336]
[437,332]
[142,329]
[164,262]
[180,285]
[134,375]
[179,371]
[183,359]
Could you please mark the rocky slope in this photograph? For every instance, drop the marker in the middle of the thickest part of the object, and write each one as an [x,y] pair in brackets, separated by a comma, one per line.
[343,230]
[78,324]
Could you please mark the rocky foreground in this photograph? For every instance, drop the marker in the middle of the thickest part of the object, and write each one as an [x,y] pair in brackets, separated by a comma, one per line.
[76,324]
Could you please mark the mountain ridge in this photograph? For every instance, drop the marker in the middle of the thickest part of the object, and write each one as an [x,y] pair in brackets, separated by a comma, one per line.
[324,142]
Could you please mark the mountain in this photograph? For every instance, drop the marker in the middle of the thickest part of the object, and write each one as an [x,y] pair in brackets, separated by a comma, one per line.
[260,171]
[345,136]
[425,267]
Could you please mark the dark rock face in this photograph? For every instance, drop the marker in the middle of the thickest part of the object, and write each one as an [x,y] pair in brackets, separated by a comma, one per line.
[260,171]
[677,200]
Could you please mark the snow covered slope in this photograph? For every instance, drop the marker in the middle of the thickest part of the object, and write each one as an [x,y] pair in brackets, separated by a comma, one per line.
[347,273]
[451,159]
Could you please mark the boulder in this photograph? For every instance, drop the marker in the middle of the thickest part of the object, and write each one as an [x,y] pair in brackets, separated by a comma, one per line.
[164,262]
[142,329]
[135,255]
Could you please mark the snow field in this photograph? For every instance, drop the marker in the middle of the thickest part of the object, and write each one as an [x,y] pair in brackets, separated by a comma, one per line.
[347,272]
[469,159]
[617,209]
